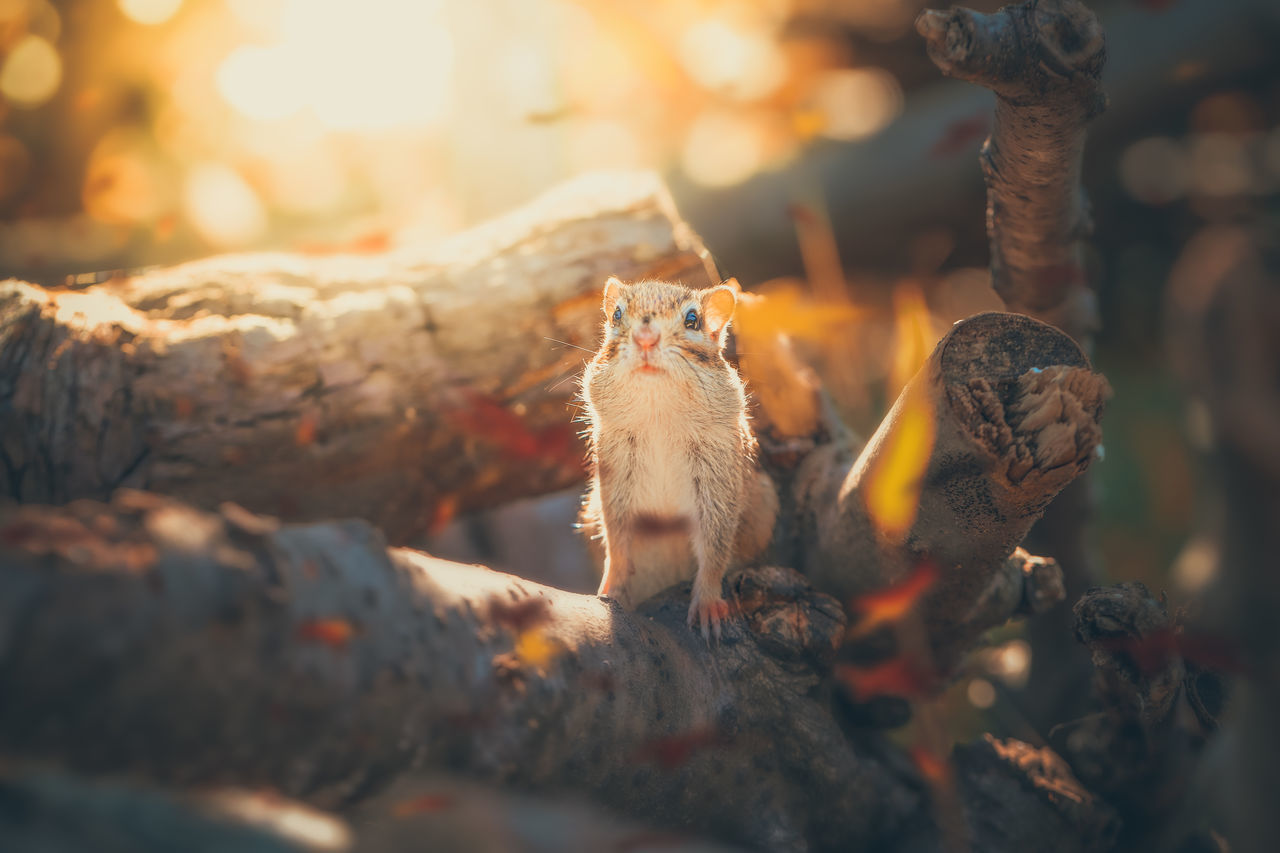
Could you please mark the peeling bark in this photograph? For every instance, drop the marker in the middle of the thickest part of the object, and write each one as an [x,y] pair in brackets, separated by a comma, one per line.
[397,388]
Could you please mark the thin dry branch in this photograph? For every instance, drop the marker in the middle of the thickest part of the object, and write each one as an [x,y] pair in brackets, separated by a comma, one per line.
[1043,59]
[1136,751]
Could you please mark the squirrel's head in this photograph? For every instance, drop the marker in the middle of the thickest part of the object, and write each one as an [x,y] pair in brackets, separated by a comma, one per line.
[655,327]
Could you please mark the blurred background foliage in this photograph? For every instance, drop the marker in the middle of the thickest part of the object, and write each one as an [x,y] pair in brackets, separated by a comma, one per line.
[141,132]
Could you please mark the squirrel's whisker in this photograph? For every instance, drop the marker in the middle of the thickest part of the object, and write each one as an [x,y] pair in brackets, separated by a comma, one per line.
[566,343]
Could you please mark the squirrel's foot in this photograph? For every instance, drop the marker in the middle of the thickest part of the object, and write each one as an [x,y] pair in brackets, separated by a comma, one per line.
[708,613]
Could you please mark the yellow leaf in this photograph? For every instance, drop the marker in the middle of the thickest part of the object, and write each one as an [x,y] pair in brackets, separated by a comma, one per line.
[534,648]
[808,123]
[913,333]
[892,493]
[789,312]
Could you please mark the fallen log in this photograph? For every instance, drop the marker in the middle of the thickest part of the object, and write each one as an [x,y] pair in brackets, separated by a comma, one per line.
[196,649]
[398,388]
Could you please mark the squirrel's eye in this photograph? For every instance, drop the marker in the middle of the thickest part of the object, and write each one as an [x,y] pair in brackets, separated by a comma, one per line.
[692,320]
[617,314]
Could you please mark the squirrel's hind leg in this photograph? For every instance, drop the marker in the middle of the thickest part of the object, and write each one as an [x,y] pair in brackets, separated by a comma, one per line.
[712,544]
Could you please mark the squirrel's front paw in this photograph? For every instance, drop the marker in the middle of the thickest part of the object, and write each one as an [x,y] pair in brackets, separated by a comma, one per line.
[708,612]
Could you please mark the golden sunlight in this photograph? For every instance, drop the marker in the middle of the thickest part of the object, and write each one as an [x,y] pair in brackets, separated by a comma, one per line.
[723,148]
[31,72]
[913,333]
[222,206]
[722,58]
[150,12]
[354,64]
[857,102]
[1011,663]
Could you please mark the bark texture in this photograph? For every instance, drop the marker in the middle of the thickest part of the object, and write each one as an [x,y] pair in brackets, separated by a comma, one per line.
[197,649]
[1043,60]
[397,388]
[1010,411]
[1140,750]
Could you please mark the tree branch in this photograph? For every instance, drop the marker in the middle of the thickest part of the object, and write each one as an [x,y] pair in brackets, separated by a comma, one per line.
[1013,407]
[1043,59]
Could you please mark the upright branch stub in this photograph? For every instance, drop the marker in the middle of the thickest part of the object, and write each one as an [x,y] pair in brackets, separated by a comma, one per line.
[1004,414]
[1043,59]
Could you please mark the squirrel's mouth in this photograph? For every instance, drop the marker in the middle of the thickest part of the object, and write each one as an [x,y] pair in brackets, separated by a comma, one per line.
[646,362]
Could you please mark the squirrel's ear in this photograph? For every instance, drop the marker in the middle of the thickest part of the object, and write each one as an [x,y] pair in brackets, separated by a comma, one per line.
[612,290]
[717,308]
[732,283]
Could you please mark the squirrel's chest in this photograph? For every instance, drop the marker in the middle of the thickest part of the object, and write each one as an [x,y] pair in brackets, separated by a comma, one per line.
[657,474]
[649,451]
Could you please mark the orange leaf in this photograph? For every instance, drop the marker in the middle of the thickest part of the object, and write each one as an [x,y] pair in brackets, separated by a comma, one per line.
[365,244]
[305,434]
[335,633]
[933,767]
[1154,652]
[534,648]
[893,602]
[895,677]
[425,804]
[446,508]
[487,419]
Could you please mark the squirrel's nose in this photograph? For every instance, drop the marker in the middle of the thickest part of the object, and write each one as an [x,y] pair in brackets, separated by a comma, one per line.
[646,337]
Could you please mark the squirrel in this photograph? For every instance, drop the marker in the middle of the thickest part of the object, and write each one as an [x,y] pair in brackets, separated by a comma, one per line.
[675,492]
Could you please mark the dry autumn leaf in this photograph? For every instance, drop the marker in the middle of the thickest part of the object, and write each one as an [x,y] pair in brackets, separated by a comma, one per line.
[335,633]
[788,311]
[898,676]
[888,605]
[892,493]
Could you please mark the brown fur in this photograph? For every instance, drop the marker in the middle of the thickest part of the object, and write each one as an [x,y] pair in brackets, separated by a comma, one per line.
[675,492]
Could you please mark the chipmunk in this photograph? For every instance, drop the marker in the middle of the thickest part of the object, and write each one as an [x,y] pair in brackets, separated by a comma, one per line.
[675,492]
